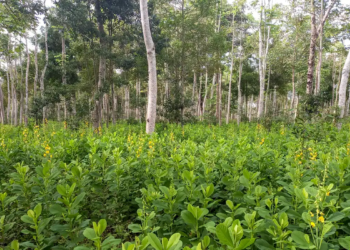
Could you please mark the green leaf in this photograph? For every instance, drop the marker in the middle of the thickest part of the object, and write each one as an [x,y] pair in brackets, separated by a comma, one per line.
[188,217]
[38,208]
[15,245]
[78,199]
[82,248]
[102,225]
[90,234]
[57,210]
[337,216]
[224,235]
[299,238]
[25,218]
[345,242]
[110,242]
[263,245]
[135,228]
[61,190]
[206,241]
[245,243]
[174,239]
[154,241]
[43,223]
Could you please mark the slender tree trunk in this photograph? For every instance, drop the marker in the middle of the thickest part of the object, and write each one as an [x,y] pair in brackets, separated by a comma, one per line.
[199,98]
[239,106]
[267,90]
[274,105]
[206,92]
[231,72]
[2,109]
[319,65]
[194,86]
[21,90]
[101,67]
[27,78]
[218,97]
[64,72]
[36,61]
[314,35]
[42,78]
[343,85]
[8,94]
[261,65]
[152,69]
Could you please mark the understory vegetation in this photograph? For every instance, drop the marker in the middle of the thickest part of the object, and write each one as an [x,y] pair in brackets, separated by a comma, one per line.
[191,187]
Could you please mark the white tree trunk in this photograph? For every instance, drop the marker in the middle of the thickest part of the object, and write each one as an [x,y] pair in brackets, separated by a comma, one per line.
[343,85]
[152,69]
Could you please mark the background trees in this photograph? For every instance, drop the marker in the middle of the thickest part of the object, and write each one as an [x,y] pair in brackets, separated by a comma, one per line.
[241,60]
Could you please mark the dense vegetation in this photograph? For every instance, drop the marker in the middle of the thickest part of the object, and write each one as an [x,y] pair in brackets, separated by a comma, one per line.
[216,60]
[199,186]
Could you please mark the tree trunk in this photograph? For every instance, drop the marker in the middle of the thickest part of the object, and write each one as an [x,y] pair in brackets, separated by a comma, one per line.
[64,72]
[343,85]
[231,71]
[218,97]
[101,67]
[239,106]
[152,69]
[261,66]
[314,35]
[27,77]
[2,109]
[206,92]
[194,86]
[8,94]
[21,89]
[42,78]
[199,98]
[36,61]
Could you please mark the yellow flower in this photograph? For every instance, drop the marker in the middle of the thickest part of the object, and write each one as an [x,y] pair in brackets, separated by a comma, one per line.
[47,152]
[321,219]
[44,155]
[312,215]
[312,224]
[301,174]
[328,193]
[321,213]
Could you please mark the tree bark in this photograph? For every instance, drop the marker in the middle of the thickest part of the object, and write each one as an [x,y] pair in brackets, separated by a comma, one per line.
[152,69]
[42,78]
[343,85]
[64,72]
[2,109]
[314,35]
[27,78]
[239,106]
[218,97]
[231,72]
[101,67]
[36,61]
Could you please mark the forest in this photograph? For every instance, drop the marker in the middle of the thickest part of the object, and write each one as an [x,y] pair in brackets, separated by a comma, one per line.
[174,124]
[215,61]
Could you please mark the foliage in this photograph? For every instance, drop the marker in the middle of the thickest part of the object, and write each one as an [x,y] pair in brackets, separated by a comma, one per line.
[190,187]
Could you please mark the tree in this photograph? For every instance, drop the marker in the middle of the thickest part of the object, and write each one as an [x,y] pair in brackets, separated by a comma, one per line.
[343,85]
[315,32]
[152,69]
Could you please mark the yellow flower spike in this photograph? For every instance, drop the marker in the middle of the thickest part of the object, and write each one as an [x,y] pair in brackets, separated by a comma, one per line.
[328,193]
[44,155]
[47,152]
[321,219]
[312,224]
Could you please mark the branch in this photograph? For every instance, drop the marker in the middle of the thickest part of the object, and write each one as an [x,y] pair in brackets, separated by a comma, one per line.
[320,26]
